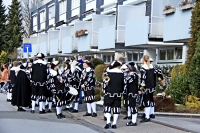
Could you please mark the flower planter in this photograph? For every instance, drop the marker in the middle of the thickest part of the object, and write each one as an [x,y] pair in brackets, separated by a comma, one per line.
[169,11]
[186,7]
[81,33]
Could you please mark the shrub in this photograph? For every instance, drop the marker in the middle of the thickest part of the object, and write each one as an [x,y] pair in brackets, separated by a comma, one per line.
[194,74]
[99,71]
[96,62]
[177,70]
[3,57]
[164,104]
[179,88]
[97,91]
[193,102]
[97,97]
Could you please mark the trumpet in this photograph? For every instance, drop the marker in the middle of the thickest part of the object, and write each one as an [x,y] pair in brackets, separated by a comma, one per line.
[106,79]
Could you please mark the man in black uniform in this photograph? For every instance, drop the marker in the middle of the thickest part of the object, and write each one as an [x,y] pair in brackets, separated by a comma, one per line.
[39,81]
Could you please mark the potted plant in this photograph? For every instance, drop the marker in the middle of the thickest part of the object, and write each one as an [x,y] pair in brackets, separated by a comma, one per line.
[169,10]
[80,33]
[186,4]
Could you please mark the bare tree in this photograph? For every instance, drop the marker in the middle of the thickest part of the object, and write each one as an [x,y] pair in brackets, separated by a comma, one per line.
[26,6]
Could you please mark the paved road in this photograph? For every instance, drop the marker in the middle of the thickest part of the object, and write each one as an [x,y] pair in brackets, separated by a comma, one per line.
[12,121]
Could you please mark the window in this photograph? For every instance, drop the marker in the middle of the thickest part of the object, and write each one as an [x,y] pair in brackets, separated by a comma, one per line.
[162,54]
[42,16]
[129,56]
[75,3]
[178,53]
[108,58]
[62,7]
[104,58]
[35,20]
[52,12]
[113,57]
[141,54]
[170,54]
[135,56]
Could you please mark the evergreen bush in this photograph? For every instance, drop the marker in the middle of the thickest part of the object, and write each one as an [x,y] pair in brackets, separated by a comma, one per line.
[99,72]
[179,88]
[195,28]
[96,62]
[164,104]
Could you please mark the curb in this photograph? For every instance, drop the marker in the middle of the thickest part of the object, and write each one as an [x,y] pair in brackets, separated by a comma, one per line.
[167,114]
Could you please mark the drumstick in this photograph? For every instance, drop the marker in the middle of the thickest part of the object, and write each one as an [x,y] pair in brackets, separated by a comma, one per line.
[57,98]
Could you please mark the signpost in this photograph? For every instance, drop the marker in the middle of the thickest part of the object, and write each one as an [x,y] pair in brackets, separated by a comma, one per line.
[27,48]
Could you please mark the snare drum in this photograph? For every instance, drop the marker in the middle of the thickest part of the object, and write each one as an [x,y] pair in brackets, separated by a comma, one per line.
[71,95]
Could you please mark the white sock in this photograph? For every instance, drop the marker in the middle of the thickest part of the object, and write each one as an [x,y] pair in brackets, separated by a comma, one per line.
[129,111]
[71,105]
[46,102]
[134,118]
[76,106]
[89,108]
[40,106]
[37,101]
[58,110]
[10,96]
[152,110]
[108,115]
[147,112]
[50,105]
[93,107]
[7,95]
[67,106]
[104,114]
[43,105]
[33,105]
[115,117]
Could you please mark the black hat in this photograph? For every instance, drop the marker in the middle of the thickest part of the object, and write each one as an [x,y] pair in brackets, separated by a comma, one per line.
[54,63]
[115,64]
[131,66]
[40,55]
[23,65]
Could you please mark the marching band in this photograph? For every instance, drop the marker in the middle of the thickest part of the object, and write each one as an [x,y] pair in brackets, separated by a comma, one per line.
[29,82]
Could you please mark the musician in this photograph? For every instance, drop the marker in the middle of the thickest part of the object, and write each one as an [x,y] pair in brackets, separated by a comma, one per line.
[88,85]
[68,73]
[113,85]
[131,92]
[49,95]
[22,89]
[75,83]
[12,78]
[39,81]
[59,86]
[148,85]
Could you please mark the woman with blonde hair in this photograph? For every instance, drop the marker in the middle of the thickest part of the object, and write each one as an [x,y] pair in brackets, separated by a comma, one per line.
[148,86]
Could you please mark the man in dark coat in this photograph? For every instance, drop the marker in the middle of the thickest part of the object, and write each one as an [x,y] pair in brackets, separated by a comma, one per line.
[23,89]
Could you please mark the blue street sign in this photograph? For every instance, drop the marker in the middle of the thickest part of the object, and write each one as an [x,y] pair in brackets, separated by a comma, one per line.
[27,46]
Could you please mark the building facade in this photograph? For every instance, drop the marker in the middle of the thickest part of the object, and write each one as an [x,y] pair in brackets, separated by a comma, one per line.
[104,28]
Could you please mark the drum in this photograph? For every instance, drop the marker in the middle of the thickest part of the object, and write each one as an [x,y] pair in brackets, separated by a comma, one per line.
[71,95]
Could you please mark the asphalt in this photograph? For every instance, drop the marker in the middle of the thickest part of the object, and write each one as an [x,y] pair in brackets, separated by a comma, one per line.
[163,123]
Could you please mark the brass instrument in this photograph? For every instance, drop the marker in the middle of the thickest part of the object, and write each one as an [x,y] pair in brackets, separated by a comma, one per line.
[57,98]
[106,79]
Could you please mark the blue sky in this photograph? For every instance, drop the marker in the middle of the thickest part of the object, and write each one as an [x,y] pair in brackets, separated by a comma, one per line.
[7,2]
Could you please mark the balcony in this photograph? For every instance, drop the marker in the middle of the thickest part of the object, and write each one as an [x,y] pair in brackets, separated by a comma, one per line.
[137,31]
[67,40]
[53,42]
[109,7]
[42,43]
[126,13]
[34,42]
[133,2]
[177,26]
[186,6]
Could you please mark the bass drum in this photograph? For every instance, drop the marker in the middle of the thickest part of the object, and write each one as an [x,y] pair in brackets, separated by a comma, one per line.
[71,95]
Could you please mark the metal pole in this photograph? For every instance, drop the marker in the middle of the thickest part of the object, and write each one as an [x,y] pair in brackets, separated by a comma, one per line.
[27,54]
